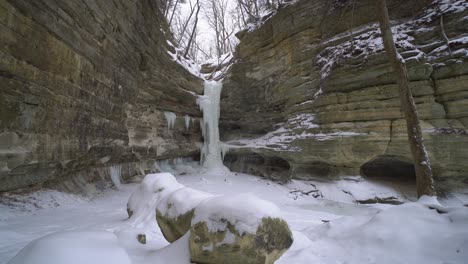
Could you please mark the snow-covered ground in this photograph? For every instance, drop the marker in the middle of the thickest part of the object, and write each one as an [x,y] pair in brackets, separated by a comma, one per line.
[328,225]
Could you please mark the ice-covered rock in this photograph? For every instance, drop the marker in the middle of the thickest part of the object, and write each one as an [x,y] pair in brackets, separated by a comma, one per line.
[174,213]
[152,189]
[238,229]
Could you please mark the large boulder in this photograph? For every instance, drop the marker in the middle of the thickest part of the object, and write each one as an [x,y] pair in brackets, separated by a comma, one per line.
[152,190]
[239,229]
[174,213]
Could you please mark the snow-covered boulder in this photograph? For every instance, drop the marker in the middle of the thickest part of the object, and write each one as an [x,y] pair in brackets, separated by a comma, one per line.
[238,229]
[152,189]
[174,213]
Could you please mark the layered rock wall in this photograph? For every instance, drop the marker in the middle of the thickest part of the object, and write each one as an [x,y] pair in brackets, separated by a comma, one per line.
[84,85]
[313,91]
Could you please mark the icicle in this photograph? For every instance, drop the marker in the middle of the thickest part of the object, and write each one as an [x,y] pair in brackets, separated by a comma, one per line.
[170,118]
[115,173]
[187,122]
[224,150]
[202,127]
[142,171]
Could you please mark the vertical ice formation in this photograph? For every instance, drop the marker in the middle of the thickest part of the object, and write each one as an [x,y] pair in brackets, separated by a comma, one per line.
[170,118]
[209,105]
[115,173]
[224,150]
[187,122]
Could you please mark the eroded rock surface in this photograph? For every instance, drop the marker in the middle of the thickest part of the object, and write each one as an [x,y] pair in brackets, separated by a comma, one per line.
[313,87]
[84,85]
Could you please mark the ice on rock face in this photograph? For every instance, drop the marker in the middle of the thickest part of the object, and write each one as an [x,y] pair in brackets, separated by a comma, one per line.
[212,149]
[187,122]
[115,173]
[170,118]
[224,150]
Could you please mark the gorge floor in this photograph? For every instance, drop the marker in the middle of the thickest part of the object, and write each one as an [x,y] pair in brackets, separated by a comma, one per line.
[328,228]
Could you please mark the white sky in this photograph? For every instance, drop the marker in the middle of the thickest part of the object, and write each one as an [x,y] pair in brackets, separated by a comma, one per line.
[206,34]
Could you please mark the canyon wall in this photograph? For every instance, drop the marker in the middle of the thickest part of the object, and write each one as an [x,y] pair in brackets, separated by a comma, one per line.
[84,85]
[313,91]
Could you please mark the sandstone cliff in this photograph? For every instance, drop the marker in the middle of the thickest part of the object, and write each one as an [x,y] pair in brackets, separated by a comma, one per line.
[84,85]
[314,92]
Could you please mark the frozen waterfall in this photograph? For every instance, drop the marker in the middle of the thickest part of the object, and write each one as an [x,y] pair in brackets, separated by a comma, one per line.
[210,106]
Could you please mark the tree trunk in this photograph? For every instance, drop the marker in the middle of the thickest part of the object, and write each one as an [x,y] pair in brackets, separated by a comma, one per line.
[422,165]
[194,29]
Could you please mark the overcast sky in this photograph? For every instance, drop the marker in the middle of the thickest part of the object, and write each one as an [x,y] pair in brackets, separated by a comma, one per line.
[206,34]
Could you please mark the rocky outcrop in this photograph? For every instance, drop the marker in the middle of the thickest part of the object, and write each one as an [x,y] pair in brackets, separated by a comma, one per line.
[238,229]
[174,213]
[84,85]
[313,89]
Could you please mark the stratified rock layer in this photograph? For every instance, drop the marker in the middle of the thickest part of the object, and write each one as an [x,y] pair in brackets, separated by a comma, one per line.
[313,89]
[83,85]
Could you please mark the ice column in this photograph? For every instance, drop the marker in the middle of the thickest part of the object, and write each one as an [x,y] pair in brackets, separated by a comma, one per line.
[209,105]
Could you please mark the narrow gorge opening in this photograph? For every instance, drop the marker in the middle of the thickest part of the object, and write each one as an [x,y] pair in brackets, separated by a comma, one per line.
[231,131]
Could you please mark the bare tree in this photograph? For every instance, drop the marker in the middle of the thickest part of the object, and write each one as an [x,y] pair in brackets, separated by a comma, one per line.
[424,178]
[219,18]
[194,31]
[173,12]
[251,9]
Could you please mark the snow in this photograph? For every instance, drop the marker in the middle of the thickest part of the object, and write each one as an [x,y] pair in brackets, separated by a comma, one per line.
[409,233]
[219,65]
[332,228]
[217,61]
[176,166]
[12,205]
[365,41]
[175,253]
[148,194]
[429,200]
[299,127]
[266,13]
[170,119]
[245,211]
[188,64]
[81,247]
[181,202]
